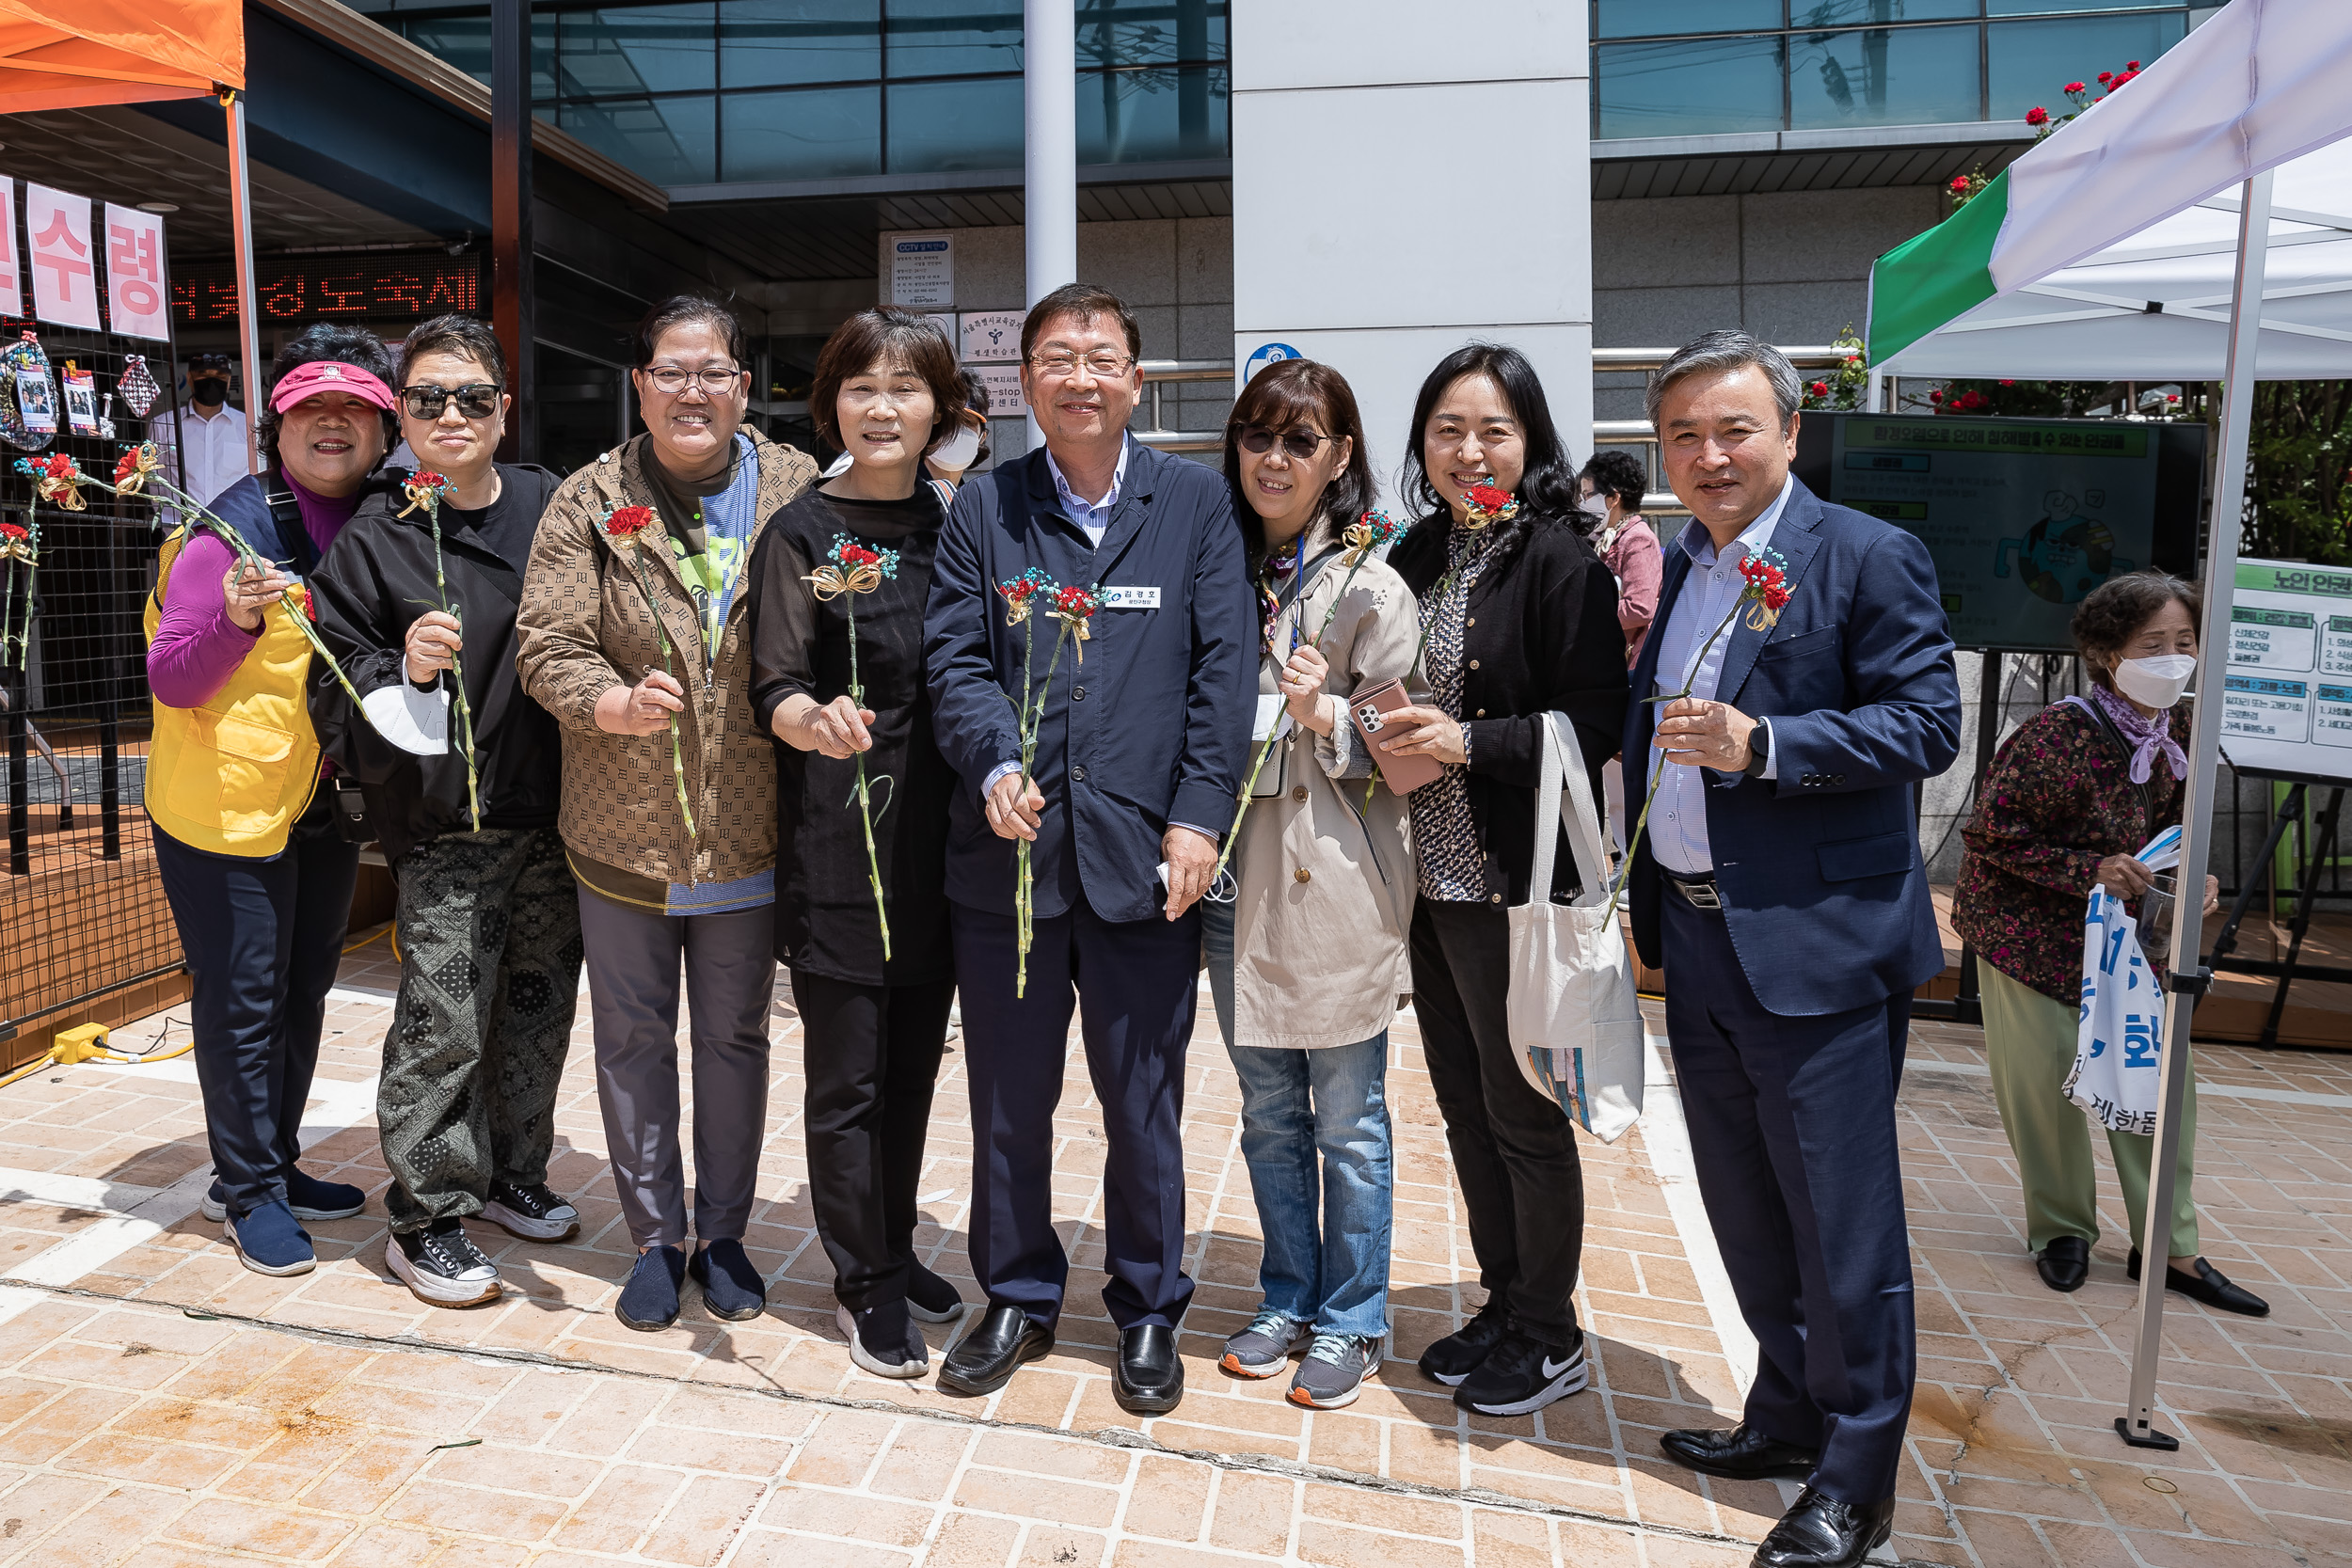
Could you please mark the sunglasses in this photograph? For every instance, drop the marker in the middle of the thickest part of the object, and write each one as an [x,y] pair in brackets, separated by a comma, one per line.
[476,401]
[1257,437]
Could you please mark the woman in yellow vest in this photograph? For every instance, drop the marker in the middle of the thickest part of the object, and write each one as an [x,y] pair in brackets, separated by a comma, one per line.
[259,877]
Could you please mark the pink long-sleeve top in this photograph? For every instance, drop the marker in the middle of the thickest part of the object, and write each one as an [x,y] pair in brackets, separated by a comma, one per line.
[196,646]
[1633,556]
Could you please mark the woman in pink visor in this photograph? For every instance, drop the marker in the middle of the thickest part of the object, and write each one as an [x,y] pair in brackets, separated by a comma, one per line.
[258,875]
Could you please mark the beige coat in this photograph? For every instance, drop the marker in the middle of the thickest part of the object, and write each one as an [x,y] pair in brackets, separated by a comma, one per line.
[1327,889]
[584,628]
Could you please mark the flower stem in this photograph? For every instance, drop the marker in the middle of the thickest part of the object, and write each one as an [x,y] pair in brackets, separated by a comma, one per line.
[865,810]
[1625,868]
[1033,713]
[456,667]
[678,749]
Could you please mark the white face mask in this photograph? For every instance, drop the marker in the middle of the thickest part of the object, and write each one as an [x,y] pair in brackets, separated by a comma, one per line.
[956,452]
[2157,682]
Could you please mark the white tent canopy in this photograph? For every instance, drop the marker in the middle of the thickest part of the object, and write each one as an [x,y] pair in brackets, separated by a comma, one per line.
[2156,306]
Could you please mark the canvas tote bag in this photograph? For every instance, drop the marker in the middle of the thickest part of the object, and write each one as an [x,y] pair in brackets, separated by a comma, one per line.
[1576,1027]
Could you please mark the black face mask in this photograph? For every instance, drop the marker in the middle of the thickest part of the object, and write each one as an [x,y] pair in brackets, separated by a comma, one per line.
[209,391]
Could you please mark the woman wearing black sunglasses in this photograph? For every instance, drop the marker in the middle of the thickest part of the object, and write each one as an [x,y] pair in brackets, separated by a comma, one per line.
[488,924]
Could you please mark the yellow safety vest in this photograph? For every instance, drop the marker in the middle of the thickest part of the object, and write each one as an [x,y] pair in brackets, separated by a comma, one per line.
[233,775]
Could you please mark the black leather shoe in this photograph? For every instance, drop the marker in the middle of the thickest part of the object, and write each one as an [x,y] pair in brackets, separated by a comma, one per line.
[2065,1263]
[985,1359]
[1822,1532]
[1150,1379]
[2210,1286]
[1742,1453]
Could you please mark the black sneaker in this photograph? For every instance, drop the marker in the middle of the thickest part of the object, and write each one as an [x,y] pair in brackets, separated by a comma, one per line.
[441,1266]
[535,1212]
[1455,1356]
[1523,1374]
[882,1340]
[931,1299]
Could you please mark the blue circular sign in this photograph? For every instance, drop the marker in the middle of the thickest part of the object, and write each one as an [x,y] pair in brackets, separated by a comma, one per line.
[1266,354]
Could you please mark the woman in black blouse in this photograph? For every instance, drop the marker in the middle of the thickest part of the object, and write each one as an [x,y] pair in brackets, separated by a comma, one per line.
[886,391]
[1520,621]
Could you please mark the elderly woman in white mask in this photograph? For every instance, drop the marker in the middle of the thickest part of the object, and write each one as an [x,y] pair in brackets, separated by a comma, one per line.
[2072,797]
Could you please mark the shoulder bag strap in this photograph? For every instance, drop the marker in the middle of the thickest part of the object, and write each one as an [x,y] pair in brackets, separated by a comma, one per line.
[1582,822]
[2107,727]
[1548,805]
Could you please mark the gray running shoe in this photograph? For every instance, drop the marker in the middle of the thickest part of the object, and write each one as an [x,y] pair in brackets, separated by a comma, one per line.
[1335,1368]
[1263,1348]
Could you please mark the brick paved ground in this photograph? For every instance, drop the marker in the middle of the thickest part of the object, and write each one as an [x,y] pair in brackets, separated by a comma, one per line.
[160,1404]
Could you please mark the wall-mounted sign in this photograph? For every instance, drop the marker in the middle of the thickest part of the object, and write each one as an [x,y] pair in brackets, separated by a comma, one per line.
[65,273]
[923,271]
[1003,382]
[1266,354]
[991,337]
[136,304]
[365,288]
[2286,706]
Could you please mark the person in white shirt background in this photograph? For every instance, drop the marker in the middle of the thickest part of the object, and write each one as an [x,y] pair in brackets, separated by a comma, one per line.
[208,432]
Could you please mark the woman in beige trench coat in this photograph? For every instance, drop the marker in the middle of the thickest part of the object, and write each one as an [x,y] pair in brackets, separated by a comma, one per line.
[1307,956]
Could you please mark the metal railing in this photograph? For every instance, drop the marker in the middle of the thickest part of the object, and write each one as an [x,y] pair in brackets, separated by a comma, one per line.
[1637,432]
[1158,373]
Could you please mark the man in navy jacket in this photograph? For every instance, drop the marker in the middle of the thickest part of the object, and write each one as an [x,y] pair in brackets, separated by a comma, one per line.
[1139,757]
[1780,887]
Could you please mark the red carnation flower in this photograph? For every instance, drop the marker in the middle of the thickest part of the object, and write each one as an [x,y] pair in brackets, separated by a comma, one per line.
[1487,498]
[2131,66]
[11,531]
[2107,76]
[628,520]
[858,555]
[2037,115]
[129,462]
[2076,86]
[427,479]
[58,466]
[1776,597]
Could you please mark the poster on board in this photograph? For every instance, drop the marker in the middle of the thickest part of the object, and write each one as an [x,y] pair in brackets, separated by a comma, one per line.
[65,273]
[137,303]
[2286,704]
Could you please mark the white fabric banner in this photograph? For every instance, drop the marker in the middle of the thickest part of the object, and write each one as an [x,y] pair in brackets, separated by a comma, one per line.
[136,304]
[11,275]
[65,273]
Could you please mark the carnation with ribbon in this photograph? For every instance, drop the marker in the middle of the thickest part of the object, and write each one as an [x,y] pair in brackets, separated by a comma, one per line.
[426,489]
[851,569]
[57,480]
[1763,594]
[19,544]
[623,529]
[1483,504]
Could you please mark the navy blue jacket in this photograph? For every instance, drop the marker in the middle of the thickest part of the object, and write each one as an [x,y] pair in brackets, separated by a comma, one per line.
[1151,727]
[1819,867]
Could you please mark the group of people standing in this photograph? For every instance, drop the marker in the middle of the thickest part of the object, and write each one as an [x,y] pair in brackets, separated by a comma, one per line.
[724,712]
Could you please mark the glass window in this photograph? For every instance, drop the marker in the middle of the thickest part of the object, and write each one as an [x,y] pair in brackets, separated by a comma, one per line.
[2031,61]
[1132,117]
[464,42]
[1686,89]
[2036,8]
[777,43]
[640,49]
[1620,19]
[947,125]
[1882,76]
[814,134]
[953,37]
[671,141]
[1863,13]
[1149,32]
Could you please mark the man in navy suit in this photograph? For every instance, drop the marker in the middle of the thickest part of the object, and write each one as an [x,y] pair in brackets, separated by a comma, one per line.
[1138,761]
[1779,886]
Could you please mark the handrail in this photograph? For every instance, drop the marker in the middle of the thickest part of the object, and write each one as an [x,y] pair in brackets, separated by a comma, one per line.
[1809,357]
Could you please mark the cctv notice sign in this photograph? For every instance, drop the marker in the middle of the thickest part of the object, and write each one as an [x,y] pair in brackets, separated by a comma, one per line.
[2286,702]
[923,271]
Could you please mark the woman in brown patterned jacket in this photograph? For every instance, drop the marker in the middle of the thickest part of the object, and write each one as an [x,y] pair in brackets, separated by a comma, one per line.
[671,831]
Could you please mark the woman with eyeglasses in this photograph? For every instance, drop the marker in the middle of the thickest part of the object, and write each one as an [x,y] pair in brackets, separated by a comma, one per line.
[1306,960]
[1521,622]
[488,920]
[635,635]
[837,670]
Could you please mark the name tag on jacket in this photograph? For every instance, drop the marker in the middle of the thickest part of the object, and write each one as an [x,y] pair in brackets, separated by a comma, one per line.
[1131,598]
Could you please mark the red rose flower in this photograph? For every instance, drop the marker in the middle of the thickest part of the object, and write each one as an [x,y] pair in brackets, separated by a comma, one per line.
[1959,185]
[2009,384]
[1937,396]
[2037,115]
[1820,388]
[627,521]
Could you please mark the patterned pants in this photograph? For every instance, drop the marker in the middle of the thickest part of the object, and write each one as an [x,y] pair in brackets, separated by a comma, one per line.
[489,975]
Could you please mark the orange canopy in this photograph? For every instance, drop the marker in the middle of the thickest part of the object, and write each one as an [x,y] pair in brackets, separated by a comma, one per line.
[71,54]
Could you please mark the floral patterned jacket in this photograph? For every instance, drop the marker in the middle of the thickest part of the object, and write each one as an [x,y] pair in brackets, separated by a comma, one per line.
[2058,801]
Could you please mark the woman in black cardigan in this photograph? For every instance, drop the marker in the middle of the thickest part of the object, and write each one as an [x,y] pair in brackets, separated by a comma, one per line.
[1521,622]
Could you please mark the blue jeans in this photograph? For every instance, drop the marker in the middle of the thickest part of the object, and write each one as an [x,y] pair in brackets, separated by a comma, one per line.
[1326,1224]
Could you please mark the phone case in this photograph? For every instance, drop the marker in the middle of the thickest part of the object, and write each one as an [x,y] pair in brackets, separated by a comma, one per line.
[1403,774]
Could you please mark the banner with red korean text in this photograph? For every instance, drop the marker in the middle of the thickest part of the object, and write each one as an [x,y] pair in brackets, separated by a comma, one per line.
[65,273]
[11,275]
[137,303]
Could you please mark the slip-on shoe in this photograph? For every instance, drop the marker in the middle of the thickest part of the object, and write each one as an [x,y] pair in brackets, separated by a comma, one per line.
[1743,1453]
[985,1359]
[2065,1263]
[2208,1285]
[1821,1532]
[1150,1379]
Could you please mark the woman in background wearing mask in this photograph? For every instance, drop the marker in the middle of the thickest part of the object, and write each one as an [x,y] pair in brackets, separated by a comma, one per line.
[2071,797]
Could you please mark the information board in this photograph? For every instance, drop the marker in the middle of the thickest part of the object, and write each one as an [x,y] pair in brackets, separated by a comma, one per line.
[2286,706]
[2023,518]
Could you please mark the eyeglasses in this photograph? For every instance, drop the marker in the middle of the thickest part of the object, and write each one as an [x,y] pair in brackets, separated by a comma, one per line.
[1060,365]
[424,400]
[1257,437]
[670,380]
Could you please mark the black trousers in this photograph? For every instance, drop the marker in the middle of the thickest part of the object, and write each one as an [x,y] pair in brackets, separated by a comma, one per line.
[1514,1150]
[1135,984]
[871,1055]
[264,938]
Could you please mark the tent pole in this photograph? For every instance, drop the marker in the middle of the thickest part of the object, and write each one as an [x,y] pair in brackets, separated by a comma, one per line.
[2188,975]
[248,302]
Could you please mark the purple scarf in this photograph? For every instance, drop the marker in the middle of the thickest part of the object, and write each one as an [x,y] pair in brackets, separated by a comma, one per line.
[2146,736]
